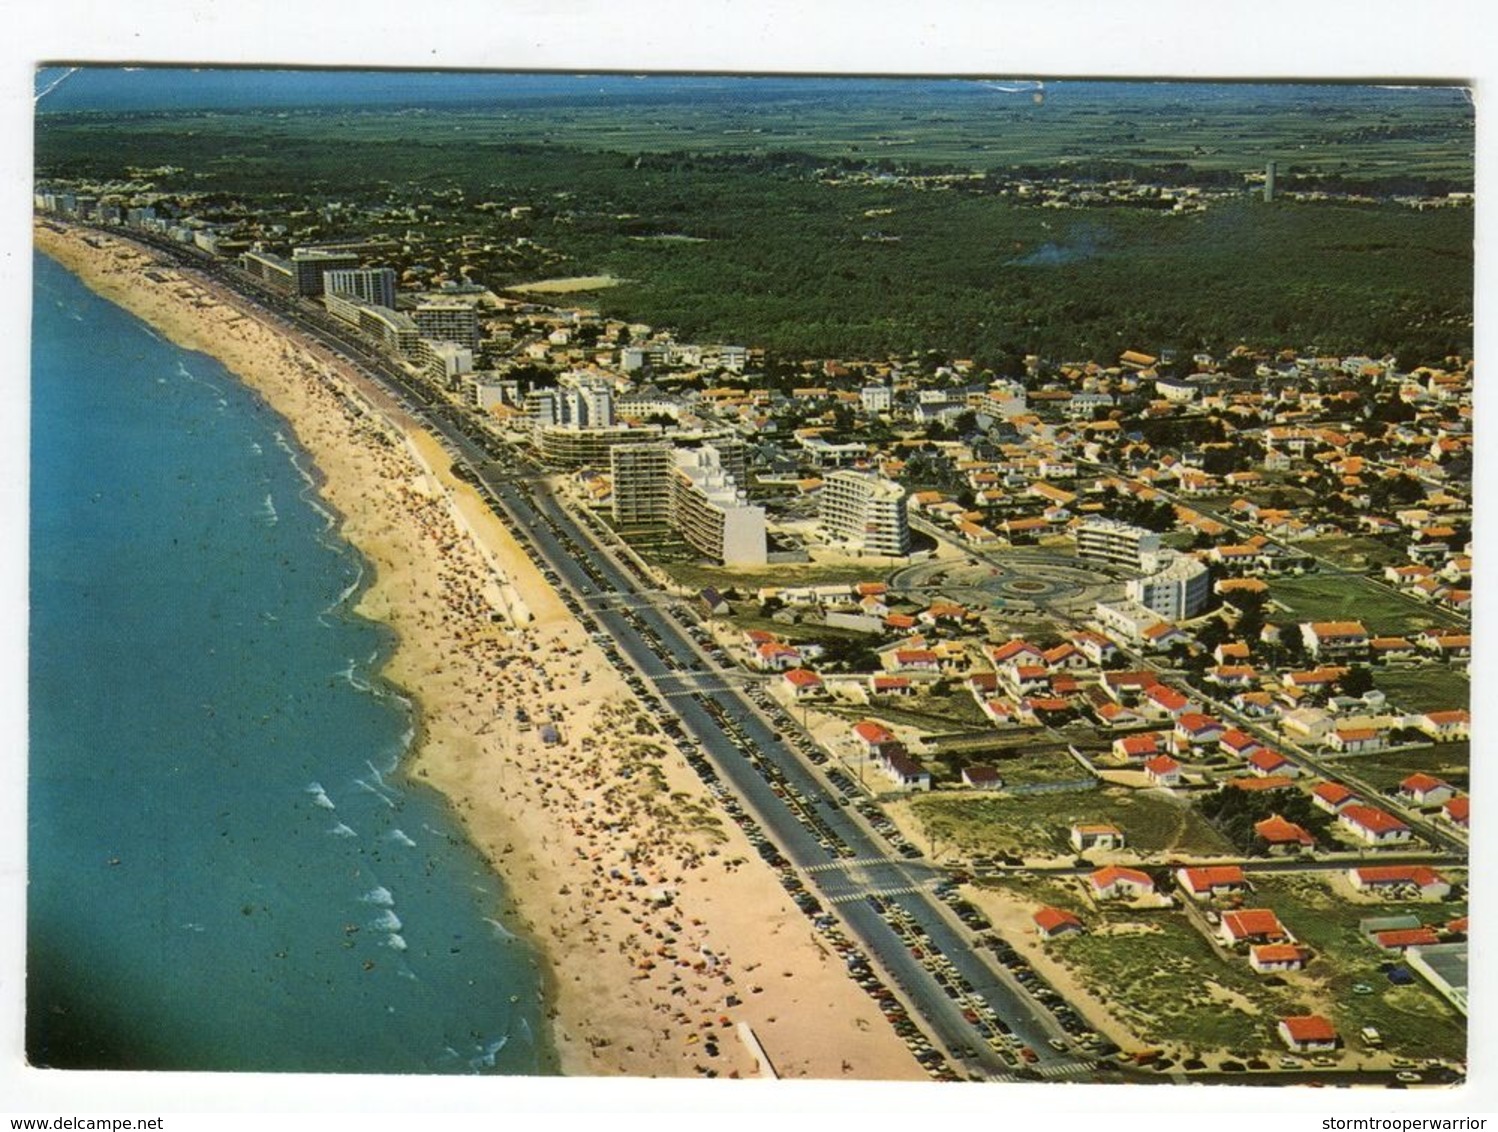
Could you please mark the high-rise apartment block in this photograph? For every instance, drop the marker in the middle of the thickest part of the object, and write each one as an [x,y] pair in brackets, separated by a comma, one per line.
[866,512]
[448,322]
[372,285]
[1121,544]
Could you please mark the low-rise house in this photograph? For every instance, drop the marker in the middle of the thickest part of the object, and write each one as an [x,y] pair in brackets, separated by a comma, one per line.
[1458,811]
[1426,790]
[1138,748]
[1162,770]
[1163,702]
[1332,797]
[1335,640]
[1260,785]
[1252,925]
[1197,729]
[1373,826]
[1266,763]
[1087,836]
[891,686]
[1238,744]
[1053,922]
[1356,740]
[904,771]
[1118,883]
[1400,881]
[1445,726]
[1399,938]
[1307,1033]
[1204,882]
[1266,957]
[874,737]
[1282,836]
[803,683]
[982,778]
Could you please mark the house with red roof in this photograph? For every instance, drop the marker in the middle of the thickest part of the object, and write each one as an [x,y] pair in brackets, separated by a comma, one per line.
[1282,836]
[1025,679]
[1238,744]
[1252,925]
[1117,883]
[1307,1033]
[803,683]
[1445,726]
[891,686]
[1268,957]
[1087,836]
[1204,882]
[1162,770]
[911,660]
[776,656]
[873,736]
[1397,939]
[1400,881]
[1053,922]
[1373,826]
[1458,811]
[1335,640]
[1265,763]
[1138,748]
[1098,649]
[1164,702]
[1066,657]
[1332,797]
[1357,740]
[1017,651]
[1110,714]
[1426,790]
[1260,785]
[1197,729]
[1127,687]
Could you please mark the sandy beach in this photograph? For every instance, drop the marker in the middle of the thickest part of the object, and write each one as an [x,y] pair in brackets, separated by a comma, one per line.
[662,927]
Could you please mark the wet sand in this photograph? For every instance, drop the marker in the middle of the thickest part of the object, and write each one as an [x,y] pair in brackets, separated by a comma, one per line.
[662,927]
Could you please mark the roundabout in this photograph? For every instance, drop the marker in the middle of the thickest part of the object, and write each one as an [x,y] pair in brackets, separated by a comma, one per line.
[1024,581]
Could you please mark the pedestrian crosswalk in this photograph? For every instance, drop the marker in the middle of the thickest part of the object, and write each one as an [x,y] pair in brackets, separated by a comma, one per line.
[865,893]
[850,863]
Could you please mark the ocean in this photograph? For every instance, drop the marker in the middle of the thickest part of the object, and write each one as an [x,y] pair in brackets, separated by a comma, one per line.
[228,869]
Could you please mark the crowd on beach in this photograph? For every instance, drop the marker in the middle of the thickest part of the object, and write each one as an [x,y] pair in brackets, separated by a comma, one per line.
[663,930]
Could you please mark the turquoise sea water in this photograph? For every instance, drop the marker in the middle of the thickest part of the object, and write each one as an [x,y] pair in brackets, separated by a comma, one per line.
[227,869]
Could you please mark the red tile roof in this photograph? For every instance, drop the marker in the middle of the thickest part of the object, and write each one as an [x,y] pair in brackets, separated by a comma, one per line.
[1278,831]
[1106,877]
[1374,821]
[803,678]
[1309,1028]
[1207,877]
[1049,920]
[1251,922]
[1421,875]
[1406,937]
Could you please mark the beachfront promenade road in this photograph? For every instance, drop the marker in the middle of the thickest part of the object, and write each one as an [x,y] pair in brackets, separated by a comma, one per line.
[843,883]
[660,650]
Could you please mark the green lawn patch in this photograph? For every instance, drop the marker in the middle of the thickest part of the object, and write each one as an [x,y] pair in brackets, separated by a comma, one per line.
[1346,597]
[1040,824]
[1432,687]
[1451,761]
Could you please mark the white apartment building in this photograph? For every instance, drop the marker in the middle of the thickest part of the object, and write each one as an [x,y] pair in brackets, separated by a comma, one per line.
[711,511]
[1179,589]
[1122,544]
[866,512]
